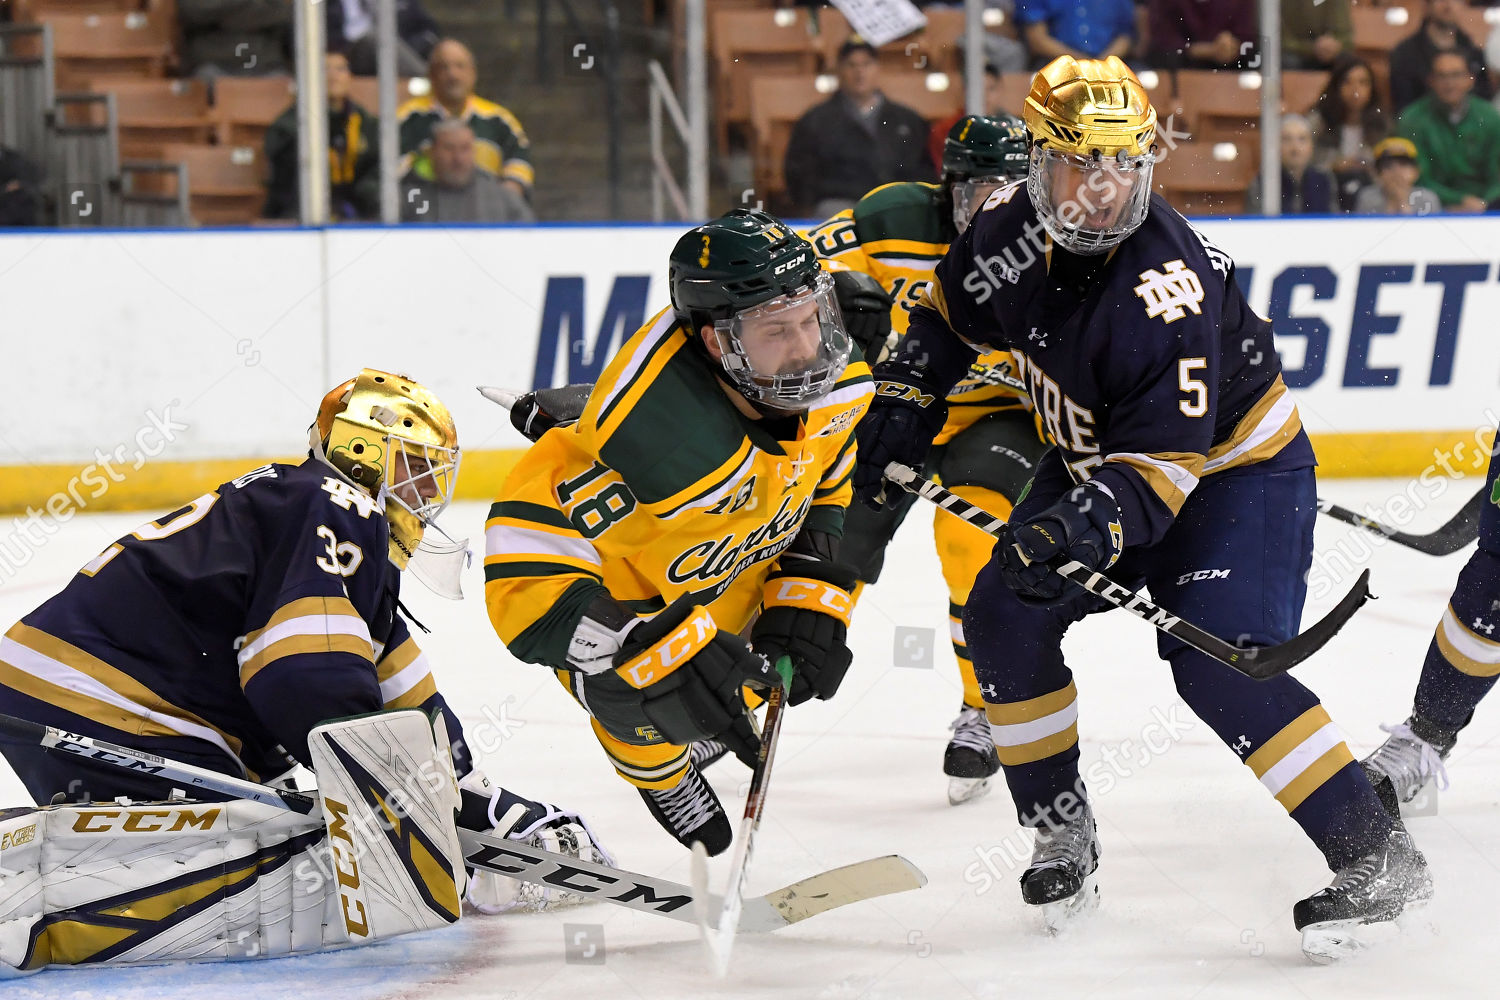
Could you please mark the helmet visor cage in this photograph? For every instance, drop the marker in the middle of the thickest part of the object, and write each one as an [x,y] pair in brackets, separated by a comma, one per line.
[969,194]
[1089,204]
[787,352]
[420,476]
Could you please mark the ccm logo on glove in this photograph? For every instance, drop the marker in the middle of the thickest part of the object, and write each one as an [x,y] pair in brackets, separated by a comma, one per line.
[814,595]
[900,390]
[672,650]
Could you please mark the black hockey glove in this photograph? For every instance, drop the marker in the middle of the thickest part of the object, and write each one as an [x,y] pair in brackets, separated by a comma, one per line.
[806,618]
[537,412]
[1083,526]
[683,676]
[906,414]
[866,308]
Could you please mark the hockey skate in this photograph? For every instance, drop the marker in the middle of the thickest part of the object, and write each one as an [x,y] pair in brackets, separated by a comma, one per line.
[1061,879]
[1404,764]
[1372,899]
[691,812]
[706,752]
[970,760]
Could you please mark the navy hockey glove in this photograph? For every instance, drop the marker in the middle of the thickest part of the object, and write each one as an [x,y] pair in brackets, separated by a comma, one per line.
[1083,526]
[683,676]
[807,607]
[906,415]
[866,308]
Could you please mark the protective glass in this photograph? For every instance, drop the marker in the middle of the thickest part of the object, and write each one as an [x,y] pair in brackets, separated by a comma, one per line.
[1089,204]
[786,353]
[970,194]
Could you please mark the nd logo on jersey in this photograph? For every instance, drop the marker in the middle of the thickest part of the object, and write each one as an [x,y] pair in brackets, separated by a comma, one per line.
[1169,293]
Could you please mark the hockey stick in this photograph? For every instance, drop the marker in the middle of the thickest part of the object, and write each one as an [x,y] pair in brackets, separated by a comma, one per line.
[1259,662]
[1462,529]
[646,893]
[720,939]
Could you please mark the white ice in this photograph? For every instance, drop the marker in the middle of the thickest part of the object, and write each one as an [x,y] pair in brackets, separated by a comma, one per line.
[1200,865]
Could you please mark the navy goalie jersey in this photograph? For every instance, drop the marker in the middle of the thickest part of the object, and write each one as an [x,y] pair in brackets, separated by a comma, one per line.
[1146,365]
[240,620]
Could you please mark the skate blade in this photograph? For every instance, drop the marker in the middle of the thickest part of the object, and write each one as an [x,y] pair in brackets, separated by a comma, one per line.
[1340,940]
[961,790]
[1058,916]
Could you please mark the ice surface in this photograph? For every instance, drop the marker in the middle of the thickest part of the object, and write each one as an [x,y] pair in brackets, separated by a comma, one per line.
[1200,866]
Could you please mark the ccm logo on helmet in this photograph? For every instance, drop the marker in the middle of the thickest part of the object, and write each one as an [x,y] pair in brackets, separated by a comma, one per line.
[790,264]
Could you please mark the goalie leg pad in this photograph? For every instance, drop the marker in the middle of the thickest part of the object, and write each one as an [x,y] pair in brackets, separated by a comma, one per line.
[389,799]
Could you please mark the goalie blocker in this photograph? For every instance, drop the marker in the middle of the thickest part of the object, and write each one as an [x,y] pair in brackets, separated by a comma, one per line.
[125,884]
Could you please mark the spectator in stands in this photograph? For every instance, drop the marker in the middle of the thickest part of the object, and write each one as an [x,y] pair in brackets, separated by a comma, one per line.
[458,190]
[1305,189]
[1083,29]
[1196,35]
[1315,33]
[994,104]
[854,141]
[1395,191]
[1411,61]
[20,190]
[353,154]
[1003,47]
[235,37]
[503,150]
[1457,136]
[1347,122]
[350,26]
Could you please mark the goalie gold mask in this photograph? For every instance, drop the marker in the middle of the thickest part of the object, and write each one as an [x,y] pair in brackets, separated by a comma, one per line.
[394,439]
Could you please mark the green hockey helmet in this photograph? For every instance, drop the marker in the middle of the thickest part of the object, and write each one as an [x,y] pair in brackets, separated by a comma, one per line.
[982,153]
[776,328]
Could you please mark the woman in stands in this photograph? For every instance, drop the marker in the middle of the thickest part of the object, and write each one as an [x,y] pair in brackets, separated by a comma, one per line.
[1347,122]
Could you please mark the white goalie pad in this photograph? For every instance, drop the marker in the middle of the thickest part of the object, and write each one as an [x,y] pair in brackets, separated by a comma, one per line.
[389,799]
[125,884]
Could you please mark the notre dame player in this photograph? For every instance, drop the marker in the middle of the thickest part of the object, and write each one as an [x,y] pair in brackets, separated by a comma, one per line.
[1179,449]
[989,448]
[704,484]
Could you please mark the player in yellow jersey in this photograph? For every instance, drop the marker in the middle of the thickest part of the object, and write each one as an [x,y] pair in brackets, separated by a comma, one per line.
[704,485]
[988,450]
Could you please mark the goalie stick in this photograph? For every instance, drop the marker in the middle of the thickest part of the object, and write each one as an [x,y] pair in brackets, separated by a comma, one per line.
[646,893]
[1258,662]
[1458,532]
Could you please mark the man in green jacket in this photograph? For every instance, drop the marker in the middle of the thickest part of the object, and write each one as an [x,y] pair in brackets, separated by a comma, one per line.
[353,154]
[1457,137]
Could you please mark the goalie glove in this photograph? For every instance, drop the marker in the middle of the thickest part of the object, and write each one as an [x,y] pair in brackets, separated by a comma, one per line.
[679,679]
[904,418]
[488,808]
[866,309]
[806,618]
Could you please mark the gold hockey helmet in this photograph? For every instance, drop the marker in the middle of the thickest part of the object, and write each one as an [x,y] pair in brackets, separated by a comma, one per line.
[394,439]
[1093,131]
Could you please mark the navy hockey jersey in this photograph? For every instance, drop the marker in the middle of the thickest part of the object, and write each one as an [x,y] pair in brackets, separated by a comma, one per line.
[242,620]
[1146,365]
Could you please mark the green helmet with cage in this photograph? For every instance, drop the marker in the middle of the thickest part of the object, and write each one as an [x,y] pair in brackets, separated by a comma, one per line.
[772,320]
[982,153]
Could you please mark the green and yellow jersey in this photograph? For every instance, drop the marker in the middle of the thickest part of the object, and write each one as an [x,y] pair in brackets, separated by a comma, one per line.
[500,144]
[663,488]
[896,234]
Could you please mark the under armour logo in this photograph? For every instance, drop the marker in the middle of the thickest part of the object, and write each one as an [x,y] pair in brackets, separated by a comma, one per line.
[1242,745]
[1169,294]
[1479,624]
[989,691]
[1039,337]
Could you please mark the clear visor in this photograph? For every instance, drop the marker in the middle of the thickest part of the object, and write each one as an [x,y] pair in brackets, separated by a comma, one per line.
[1090,204]
[788,352]
[970,194]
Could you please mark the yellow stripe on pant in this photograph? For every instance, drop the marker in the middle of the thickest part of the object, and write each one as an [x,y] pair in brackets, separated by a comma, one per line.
[1028,731]
[963,550]
[1297,760]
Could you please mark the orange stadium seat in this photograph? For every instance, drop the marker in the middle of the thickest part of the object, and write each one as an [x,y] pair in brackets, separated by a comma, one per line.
[1218,103]
[245,106]
[365,91]
[135,43]
[1301,88]
[1377,31]
[224,182]
[911,89]
[36,10]
[154,113]
[748,44]
[1196,183]
[776,102]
